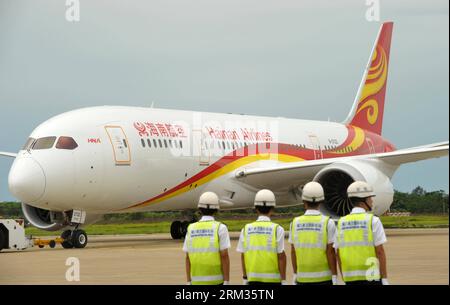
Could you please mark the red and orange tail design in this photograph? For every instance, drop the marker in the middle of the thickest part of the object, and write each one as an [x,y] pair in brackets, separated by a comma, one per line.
[368,110]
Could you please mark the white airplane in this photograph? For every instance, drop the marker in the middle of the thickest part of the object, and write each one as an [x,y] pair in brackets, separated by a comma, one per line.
[83,164]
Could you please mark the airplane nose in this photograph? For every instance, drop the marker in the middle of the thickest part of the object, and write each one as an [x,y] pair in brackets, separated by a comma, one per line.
[26,180]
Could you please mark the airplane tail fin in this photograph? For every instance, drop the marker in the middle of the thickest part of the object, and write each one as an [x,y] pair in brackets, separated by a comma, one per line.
[368,108]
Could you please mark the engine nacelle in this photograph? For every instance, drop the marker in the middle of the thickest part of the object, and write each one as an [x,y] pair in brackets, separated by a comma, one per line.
[336,178]
[50,220]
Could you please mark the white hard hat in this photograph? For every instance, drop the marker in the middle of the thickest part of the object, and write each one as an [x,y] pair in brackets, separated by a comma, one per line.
[209,200]
[360,189]
[313,192]
[265,198]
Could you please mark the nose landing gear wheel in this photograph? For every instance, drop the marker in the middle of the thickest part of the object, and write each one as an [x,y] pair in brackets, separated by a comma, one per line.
[74,239]
[67,243]
[79,239]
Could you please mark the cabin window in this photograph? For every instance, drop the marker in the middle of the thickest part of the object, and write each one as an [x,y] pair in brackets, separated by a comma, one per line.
[149,143]
[143,142]
[44,143]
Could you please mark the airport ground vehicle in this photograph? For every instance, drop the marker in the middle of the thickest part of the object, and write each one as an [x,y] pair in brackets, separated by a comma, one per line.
[12,237]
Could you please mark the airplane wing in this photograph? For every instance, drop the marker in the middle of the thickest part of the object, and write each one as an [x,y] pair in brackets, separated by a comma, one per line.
[410,155]
[439,144]
[303,171]
[7,154]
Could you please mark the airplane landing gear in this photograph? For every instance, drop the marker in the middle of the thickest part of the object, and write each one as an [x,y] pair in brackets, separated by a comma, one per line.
[175,230]
[74,239]
[178,229]
[67,244]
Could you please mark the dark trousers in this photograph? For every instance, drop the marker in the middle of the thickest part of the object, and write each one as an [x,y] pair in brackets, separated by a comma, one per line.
[326,283]
[364,283]
[263,284]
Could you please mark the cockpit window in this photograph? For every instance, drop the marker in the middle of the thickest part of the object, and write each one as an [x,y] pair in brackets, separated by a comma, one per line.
[28,144]
[44,143]
[66,143]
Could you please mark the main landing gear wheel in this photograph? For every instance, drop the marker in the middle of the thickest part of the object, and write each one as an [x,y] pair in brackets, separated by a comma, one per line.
[184,227]
[178,229]
[175,230]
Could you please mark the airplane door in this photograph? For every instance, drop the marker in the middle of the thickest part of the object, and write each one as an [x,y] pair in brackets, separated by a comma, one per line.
[203,148]
[89,168]
[120,145]
[316,147]
[370,145]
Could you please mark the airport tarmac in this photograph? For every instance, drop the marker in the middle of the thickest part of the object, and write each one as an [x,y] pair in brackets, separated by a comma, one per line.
[415,256]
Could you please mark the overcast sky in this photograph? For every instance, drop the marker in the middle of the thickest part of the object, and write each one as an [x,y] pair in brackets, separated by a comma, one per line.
[291,58]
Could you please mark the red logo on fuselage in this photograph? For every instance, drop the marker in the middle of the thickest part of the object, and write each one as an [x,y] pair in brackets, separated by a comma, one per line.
[94,141]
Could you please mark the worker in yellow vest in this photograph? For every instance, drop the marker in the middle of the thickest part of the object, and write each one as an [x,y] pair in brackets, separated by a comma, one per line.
[261,245]
[360,239]
[206,246]
[312,237]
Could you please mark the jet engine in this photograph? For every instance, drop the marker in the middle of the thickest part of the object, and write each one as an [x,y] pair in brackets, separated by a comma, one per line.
[336,177]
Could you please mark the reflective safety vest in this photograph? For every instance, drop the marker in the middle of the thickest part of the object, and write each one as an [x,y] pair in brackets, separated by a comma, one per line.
[310,238]
[356,248]
[260,252]
[203,246]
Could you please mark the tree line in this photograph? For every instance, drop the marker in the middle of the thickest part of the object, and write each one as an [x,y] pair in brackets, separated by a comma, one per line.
[419,201]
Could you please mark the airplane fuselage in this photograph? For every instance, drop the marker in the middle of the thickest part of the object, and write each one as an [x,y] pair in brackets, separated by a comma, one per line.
[131,159]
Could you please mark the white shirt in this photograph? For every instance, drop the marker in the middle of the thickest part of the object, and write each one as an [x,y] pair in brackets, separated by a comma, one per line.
[280,237]
[224,237]
[331,227]
[379,236]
